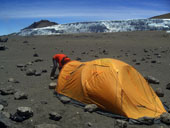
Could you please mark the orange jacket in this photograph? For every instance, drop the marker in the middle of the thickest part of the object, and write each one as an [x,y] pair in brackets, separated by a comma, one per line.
[59,58]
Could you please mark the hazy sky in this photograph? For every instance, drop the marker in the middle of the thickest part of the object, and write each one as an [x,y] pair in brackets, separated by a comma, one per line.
[17,14]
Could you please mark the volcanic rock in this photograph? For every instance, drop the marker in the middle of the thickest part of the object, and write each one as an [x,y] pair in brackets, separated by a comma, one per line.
[159,92]
[52,85]
[12,80]
[5,122]
[2,47]
[38,60]
[168,86]
[64,99]
[89,124]
[1,107]
[20,95]
[25,111]
[152,80]
[78,58]
[90,108]
[165,118]
[146,120]
[37,73]
[25,42]
[137,63]
[153,61]
[121,123]
[7,91]
[35,55]
[44,70]
[20,65]
[22,114]
[6,114]
[30,72]
[55,116]
[105,52]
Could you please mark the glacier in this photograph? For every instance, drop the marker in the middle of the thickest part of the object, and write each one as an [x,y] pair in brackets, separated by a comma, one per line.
[101,26]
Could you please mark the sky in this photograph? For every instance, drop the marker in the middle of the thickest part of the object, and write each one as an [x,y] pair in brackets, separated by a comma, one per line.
[18,14]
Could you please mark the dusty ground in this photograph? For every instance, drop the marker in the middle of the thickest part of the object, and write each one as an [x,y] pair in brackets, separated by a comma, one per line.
[124,46]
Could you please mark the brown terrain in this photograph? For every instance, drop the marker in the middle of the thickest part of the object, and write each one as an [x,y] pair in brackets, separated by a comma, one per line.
[147,51]
[25,66]
[163,16]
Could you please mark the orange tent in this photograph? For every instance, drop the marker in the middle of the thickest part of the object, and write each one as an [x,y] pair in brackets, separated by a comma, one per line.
[112,85]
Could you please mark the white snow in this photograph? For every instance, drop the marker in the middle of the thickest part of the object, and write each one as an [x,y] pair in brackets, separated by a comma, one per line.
[101,26]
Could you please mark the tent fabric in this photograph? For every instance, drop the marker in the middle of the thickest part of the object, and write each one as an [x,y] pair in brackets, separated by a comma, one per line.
[112,85]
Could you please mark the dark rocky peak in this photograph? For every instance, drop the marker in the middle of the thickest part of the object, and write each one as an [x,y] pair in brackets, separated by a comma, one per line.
[40,24]
[163,16]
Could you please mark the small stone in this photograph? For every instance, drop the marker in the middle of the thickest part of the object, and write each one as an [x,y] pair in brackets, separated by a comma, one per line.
[145,50]
[52,85]
[12,80]
[5,122]
[121,123]
[1,107]
[44,70]
[38,60]
[25,42]
[47,126]
[2,47]
[35,55]
[159,56]
[30,72]
[23,69]
[20,95]
[165,118]
[137,63]
[143,59]
[168,86]
[105,52]
[20,65]
[89,124]
[159,92]
[7,91]
[29,63]
[153,61]
[90,108]
[152,80]
[6,114]
[83,53]
[64,99]
[146,120]
[25,112]
[37,73]
[55,116]
[78,58]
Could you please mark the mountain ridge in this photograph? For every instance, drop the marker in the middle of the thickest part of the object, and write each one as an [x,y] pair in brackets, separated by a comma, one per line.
[163,16]
[40,24]
[45,27]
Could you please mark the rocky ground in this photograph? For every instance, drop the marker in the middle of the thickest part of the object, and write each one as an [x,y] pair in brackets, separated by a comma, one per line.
[27,98]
